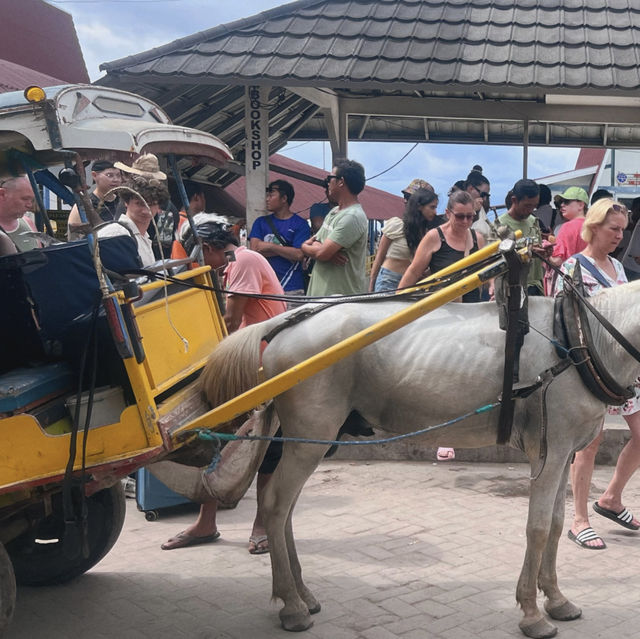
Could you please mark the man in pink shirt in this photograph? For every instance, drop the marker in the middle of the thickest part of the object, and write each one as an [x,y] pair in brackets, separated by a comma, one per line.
[245,271]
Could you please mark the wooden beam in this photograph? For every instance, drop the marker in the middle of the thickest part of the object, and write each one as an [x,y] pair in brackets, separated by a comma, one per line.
[488,109]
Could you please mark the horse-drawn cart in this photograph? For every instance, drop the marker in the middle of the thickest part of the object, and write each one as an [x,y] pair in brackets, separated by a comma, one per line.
[77,334]
[99,376]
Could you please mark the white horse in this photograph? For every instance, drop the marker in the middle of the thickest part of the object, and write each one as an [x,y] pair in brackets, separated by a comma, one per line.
[441,366]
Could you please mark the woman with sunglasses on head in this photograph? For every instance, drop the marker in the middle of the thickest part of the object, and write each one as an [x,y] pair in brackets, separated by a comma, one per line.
[602,231]
[400,239]
[478,187]
[447,244]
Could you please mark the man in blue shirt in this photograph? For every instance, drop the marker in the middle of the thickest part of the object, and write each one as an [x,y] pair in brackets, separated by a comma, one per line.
[279,235]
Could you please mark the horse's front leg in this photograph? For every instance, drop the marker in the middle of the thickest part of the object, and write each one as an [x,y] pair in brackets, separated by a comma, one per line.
[544,494]
[296,570]
[557,605]
[297,463]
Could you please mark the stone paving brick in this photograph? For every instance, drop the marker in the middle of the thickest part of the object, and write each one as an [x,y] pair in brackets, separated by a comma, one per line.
[377,633]
[391,549]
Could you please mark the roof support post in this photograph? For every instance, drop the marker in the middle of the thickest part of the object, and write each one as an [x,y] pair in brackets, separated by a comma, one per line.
[256,161]
[336,118]
[525,150]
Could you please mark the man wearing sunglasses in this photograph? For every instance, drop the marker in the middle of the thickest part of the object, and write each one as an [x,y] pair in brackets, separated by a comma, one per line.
[525,196]
[340,246]
[279,235]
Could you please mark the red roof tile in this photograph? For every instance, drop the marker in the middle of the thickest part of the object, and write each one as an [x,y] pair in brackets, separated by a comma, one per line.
[15,77]
[377,204]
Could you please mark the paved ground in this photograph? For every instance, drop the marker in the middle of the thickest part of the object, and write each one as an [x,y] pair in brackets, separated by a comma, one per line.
[391,549]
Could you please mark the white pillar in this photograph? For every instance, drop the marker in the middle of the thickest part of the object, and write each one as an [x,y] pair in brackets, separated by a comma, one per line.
[256,151]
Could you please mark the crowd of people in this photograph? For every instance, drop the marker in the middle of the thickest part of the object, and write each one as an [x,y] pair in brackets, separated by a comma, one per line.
[291,257]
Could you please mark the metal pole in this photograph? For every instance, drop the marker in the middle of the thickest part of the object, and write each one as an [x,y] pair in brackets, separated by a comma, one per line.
[185,202]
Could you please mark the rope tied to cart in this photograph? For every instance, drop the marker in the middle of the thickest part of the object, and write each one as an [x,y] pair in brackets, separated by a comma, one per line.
[218,438]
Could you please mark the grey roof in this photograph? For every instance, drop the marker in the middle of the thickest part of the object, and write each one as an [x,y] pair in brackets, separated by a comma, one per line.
[458,71]
[569,44]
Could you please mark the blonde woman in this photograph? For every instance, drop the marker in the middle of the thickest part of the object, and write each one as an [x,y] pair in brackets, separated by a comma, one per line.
[602,231]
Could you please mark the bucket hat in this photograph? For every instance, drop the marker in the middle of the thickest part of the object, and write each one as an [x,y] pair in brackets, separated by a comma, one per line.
[146,165]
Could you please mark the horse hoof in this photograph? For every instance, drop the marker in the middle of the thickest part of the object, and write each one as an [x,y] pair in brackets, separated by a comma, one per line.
[564,612]
[296,622]
[315,609]
[540,629]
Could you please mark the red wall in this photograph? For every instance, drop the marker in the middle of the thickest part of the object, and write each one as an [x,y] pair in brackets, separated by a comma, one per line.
[40,36]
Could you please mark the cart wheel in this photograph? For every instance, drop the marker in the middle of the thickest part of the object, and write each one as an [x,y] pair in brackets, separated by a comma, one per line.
[151,515]
[39,557]
[7,591]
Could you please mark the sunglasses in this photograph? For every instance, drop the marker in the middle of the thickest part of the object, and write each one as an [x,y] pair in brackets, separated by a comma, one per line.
[463,216]
[619,208]
[484,193]
[329,178]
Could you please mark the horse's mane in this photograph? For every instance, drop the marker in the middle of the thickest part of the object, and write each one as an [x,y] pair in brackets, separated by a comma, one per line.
[618,305]
[616,298]
[233,365]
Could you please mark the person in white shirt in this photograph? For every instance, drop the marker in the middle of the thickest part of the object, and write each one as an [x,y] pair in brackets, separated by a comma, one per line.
[151,198]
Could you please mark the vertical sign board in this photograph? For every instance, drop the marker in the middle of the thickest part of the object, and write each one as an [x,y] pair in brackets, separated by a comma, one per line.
[256,150]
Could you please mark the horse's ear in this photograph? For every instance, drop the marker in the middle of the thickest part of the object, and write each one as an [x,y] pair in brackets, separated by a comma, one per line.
[576,276]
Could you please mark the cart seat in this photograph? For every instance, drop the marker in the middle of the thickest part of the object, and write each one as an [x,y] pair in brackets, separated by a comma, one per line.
[26,388]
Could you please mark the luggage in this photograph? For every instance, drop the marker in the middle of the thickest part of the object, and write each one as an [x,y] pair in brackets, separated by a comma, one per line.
[152,495]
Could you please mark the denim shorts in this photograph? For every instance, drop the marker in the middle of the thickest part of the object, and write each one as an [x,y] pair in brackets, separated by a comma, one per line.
[387,280]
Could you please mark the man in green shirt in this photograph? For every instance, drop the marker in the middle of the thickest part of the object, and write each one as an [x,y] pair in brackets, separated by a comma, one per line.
[339,248]
[519,217]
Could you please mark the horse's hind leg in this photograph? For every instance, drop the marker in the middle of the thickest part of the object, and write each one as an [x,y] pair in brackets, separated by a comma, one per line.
[544,495]
[557,605]
[297,463]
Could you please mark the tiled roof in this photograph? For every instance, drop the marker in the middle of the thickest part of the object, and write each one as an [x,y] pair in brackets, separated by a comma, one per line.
[15,77]
[570,44]
[377,204]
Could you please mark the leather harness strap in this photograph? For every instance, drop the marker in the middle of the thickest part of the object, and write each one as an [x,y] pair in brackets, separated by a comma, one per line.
[513,343]
[571,329]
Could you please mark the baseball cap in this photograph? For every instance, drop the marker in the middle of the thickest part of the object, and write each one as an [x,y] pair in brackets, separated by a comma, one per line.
[416,184]
[101,165]
[574,193]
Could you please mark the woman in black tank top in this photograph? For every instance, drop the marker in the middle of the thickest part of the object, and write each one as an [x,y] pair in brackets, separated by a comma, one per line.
[447,244]
[447,255]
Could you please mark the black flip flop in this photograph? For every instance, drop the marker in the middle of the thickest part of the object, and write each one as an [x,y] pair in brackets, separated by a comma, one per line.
[588,534]
[624,517]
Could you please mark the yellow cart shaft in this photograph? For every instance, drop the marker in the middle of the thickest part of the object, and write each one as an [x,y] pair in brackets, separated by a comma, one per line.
[292,376]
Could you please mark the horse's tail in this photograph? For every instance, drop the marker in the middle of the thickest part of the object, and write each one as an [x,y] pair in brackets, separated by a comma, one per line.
[233,366]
